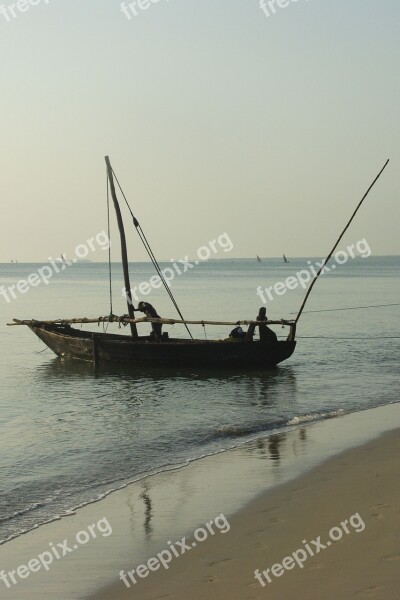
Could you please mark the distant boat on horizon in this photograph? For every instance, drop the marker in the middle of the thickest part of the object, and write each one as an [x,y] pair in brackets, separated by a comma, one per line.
[285,260]
[258,259]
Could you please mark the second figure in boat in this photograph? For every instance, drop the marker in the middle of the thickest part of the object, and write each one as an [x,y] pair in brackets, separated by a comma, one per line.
[266,334]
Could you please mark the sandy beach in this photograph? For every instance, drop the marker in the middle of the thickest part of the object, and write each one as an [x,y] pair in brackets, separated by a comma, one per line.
[360,486]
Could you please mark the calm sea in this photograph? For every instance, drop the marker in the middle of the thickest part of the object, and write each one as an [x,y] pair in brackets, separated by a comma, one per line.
[70,435]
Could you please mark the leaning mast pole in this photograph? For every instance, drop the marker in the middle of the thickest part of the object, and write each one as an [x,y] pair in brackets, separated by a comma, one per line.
[124,251]
[338,241]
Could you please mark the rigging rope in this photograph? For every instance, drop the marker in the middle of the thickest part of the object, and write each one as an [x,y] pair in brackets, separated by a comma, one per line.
[149,251]
[349,308]
[322,337]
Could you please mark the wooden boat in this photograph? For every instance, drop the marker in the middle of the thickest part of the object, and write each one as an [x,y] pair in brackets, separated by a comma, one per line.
[66,341]
[245,353]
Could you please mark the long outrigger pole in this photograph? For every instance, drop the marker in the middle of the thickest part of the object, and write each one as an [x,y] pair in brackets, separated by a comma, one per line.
[338,241]
[125,320]
[124,251]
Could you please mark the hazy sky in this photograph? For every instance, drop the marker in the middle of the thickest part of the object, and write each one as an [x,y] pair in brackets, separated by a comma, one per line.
[216,117]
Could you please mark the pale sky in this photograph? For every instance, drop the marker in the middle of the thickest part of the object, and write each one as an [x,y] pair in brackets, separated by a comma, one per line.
[216,117]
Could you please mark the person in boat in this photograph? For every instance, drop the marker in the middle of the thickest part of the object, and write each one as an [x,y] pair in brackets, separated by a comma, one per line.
[150,312]
[266,334]
[237,333]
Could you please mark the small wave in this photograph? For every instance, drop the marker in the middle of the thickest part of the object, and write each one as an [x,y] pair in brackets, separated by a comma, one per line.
[315,417]
[24,511]
[234,431]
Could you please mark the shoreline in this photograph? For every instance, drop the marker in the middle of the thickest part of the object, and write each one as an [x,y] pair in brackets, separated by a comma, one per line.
[167,505]
[291,426]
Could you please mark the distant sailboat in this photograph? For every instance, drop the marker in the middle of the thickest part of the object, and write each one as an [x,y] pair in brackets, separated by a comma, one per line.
[258,259]
[285,260]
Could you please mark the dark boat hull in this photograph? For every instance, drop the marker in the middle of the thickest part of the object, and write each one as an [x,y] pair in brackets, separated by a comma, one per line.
[68,342]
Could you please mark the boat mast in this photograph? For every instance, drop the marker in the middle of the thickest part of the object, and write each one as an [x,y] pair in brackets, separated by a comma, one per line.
[124,251]
[327,259]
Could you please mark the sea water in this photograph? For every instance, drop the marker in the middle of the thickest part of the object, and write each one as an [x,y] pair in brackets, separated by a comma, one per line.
[70,434]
